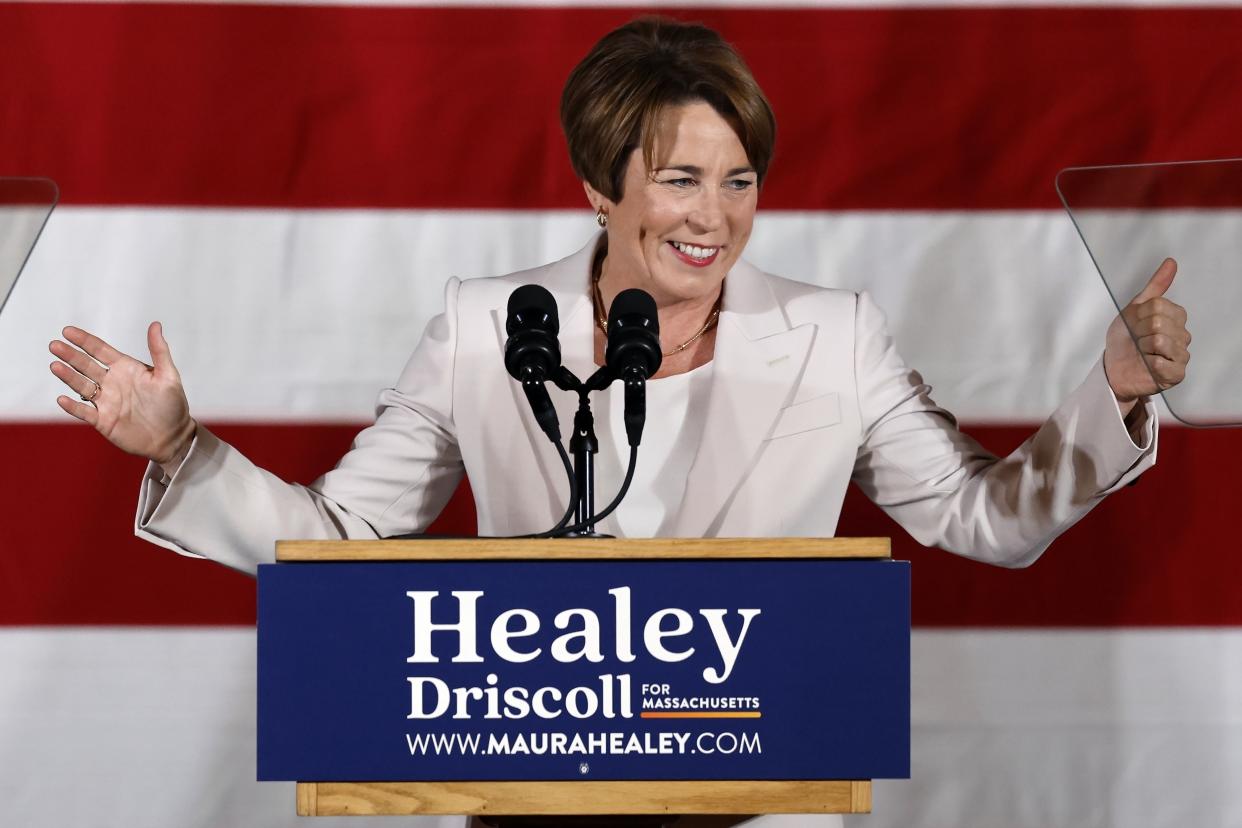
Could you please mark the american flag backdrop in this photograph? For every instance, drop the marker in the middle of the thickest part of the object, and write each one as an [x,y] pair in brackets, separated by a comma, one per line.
[287,187]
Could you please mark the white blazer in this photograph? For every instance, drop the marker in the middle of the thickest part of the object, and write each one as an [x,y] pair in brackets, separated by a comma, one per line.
[808,393]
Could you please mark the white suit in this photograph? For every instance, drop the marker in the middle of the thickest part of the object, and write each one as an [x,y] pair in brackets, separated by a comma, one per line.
[808,393]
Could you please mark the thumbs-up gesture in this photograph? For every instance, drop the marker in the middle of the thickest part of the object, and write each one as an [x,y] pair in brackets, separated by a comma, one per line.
[139,408]
[1159,327]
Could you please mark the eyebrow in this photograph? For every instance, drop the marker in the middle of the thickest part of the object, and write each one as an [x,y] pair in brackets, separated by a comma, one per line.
[698,171]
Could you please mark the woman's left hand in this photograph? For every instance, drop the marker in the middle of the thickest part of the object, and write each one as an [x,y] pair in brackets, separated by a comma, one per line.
[1159,327]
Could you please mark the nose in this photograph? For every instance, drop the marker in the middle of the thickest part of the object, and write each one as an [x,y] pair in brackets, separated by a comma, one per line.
[706,212]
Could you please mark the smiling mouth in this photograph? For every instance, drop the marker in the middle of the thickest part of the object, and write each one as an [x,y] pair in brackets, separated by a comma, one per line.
[693,254]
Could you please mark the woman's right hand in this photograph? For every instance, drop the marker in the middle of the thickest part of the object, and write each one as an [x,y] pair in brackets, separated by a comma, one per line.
[139,408]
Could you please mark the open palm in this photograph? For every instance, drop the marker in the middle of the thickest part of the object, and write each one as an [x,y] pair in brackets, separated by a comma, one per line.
[139,408]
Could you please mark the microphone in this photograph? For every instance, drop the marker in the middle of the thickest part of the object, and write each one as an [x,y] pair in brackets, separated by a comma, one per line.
[532,351]
[633,353]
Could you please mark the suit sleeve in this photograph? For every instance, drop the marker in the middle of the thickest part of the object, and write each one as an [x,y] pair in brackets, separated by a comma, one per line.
[947,491]
[396,478]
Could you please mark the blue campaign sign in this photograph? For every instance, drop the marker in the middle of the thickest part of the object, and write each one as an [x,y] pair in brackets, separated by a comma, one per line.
[580,669]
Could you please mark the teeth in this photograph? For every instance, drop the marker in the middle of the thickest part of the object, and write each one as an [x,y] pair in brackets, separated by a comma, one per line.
[694,251]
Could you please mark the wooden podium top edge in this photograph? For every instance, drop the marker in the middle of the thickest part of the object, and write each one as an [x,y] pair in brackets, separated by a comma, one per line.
[584,798]
[440,549]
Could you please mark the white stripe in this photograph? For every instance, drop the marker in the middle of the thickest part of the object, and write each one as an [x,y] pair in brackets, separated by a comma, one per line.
[1128,728]
[134,727]
[19,229]
[306,314]
[1043,728]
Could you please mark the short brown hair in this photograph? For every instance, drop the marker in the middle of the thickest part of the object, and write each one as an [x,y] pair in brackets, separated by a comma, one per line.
[613,99]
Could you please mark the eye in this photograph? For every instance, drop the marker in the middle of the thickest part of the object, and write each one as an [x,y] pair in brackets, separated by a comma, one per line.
[680,182]
[739,184]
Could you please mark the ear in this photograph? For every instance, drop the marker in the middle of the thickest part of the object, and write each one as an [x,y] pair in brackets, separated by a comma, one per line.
[597,199]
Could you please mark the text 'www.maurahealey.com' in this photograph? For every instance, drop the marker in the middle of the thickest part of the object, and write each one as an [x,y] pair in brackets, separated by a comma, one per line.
[578,744]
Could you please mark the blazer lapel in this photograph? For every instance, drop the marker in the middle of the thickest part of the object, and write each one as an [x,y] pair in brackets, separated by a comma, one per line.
[757,363]
[569,282]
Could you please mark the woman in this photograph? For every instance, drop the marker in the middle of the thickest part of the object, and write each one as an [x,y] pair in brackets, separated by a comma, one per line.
[671,137]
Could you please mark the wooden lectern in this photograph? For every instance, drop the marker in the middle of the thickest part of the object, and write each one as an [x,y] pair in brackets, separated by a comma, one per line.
[677,565]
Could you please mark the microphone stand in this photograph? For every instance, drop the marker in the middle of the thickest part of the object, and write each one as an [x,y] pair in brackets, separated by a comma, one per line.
[584,445]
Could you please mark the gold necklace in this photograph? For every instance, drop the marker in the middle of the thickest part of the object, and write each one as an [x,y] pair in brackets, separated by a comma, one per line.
[598,301]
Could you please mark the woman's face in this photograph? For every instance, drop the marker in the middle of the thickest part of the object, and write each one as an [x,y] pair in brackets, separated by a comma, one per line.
[679,228]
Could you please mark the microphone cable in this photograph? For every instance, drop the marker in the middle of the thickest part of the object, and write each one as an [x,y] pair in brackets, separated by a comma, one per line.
[608,510]
[559,528]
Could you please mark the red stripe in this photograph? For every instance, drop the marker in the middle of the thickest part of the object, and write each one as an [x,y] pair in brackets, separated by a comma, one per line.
[69,553]
[428,107]
[27,192]
[1159,553]
[1203,185]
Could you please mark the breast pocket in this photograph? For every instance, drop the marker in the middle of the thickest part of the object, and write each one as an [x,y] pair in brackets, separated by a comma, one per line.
[820,412]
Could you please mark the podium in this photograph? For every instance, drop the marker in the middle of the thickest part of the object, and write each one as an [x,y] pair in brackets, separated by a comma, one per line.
[583,676]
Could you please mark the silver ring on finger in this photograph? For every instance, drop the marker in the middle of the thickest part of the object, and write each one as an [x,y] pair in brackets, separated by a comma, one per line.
[93,395]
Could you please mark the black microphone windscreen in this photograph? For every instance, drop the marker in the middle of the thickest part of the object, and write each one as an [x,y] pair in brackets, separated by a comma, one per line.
[532,305]
[633,334]
[635,302]
[532,351]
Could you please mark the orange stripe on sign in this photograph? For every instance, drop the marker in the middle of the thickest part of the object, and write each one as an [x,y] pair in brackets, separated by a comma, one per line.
[754,715]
